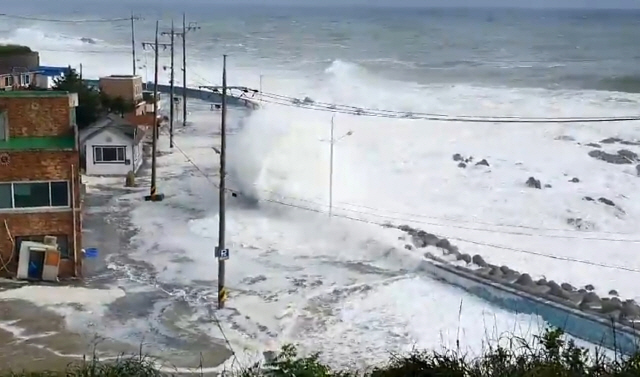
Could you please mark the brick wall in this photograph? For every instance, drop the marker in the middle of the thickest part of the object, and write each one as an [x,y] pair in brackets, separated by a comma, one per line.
[28,224]
[37,116]
[129,88]
[45,166]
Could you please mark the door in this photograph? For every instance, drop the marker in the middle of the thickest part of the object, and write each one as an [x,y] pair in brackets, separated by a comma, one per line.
[36,264]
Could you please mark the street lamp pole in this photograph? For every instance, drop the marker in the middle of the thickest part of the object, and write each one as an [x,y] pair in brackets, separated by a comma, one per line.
[332,141]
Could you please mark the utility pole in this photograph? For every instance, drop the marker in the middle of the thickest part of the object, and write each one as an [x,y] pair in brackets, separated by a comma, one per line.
[133,41]
[192,26]
[172,34]
[221,252]
[331,168]
[154,196]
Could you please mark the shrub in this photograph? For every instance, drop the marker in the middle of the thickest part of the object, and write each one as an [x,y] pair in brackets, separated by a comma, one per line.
[551,355]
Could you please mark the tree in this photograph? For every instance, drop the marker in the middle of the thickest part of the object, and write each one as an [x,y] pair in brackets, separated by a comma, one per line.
[90,107]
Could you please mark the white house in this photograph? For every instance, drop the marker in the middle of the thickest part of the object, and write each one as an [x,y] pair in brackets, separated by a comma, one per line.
[111,147]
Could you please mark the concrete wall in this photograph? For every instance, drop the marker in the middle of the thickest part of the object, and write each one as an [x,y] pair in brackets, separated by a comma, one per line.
[574,322]
[114,139]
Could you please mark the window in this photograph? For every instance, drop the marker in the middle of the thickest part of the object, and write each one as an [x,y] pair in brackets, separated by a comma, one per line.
[7,81]
[109,155]
[26,80]
[19,195]
[63,243]
[4,126]
[6,200]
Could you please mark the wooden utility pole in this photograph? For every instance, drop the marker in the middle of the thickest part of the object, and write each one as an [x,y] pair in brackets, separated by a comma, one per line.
[221,252]
[192,26]
[172,34]
[154,196]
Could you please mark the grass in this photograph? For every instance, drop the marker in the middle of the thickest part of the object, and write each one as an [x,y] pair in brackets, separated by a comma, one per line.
[10,49]
[550,355]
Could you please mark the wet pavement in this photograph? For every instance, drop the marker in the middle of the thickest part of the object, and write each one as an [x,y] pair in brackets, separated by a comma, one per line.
[36,337]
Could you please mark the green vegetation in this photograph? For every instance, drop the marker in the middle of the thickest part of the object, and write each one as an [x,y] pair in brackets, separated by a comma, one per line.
[92,103]
[550,356]
[9,49]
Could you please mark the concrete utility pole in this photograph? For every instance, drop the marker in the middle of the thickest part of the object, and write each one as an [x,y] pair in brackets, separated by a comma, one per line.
[133,41]
[172,34]
[192,26]
[221,252]
[332,142]
[154,196]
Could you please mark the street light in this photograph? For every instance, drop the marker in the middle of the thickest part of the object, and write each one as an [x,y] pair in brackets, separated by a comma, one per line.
[332,142]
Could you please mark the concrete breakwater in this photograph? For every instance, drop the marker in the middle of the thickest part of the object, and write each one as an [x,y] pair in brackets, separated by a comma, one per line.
[608,321]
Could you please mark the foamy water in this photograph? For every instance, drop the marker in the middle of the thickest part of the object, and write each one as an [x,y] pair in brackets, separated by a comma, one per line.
[348,289]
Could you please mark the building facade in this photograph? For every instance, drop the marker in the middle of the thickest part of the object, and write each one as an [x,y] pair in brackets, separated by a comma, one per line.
[19,68]
[126,86]
[112,147]
[39,177]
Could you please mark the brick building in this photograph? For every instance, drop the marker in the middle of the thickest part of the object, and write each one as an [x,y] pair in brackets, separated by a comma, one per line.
[39,177]
[126,86]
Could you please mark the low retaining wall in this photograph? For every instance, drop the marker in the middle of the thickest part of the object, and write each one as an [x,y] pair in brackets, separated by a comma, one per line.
[592,328]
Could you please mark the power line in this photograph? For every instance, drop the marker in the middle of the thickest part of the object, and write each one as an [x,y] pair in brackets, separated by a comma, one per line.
[350,110]
[568,259]
[26,18]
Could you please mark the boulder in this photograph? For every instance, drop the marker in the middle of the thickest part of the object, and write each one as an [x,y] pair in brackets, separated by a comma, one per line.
[457,157]
[607,202]
[594,145]
[525,280]
[589,288]
[567,287]
[617,159]
[479,261]
[557,291]
[465,257]
[588,198]
[630,310]
[610,140]
[574,180]
[638,170]
[462,165]
[547,186]
[609,306]
[628,154]
[408,247]
[613,292]
[482,162]
[505,269]
[533,183]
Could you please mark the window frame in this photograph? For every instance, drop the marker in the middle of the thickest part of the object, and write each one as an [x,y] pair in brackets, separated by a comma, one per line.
[102,147]
[26,79]
[4,125]
[50,206]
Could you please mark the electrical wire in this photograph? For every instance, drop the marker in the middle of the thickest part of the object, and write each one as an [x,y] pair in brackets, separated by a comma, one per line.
[97,20]
[569,259]
[346,109]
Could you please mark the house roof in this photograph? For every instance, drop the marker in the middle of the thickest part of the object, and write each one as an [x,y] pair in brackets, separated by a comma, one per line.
[116,123]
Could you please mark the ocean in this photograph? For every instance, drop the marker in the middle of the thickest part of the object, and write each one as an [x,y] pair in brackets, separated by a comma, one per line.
[371,297]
